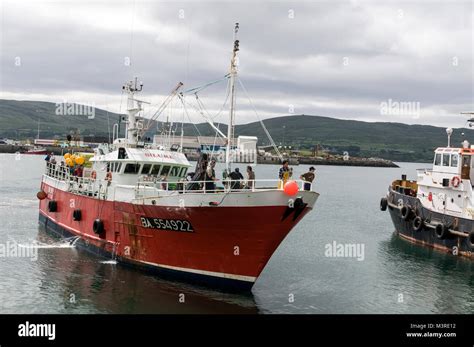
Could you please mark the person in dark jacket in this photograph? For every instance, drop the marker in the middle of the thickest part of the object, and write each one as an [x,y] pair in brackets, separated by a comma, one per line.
[308,178]
[236,178]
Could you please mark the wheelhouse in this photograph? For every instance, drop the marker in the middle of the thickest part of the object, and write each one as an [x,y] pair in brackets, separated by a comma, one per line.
[456,161]
[130,165]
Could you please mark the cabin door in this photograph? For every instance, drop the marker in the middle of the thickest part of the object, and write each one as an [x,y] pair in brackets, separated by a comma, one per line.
[466,167]
[471,174]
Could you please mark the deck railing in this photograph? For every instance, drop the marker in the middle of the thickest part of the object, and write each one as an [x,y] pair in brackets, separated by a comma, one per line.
[147,189]
[77,184]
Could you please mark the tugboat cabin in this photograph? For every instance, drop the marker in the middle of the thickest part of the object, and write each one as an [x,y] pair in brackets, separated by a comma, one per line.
[456,162]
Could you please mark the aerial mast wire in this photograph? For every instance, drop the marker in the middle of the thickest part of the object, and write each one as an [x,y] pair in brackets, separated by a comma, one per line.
[233,74]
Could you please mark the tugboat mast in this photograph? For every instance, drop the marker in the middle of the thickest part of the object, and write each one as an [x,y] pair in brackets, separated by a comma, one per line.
[233,74]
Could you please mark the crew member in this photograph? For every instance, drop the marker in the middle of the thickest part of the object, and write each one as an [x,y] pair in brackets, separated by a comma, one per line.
[236,176]
[250,177]
[210,176]
[308,178]
[285,172]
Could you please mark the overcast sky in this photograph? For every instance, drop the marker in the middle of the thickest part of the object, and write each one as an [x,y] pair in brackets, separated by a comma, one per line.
[342,59]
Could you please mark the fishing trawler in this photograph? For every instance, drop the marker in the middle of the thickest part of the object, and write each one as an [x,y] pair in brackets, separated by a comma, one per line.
[36,150]
[134,203]
[437,209]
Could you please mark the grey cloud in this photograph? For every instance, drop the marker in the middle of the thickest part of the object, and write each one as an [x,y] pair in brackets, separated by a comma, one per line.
[296,60]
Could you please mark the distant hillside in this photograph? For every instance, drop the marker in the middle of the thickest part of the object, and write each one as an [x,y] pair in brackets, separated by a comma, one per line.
[394,141]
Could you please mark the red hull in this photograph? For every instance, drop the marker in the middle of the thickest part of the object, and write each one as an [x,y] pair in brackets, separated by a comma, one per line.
[227,242]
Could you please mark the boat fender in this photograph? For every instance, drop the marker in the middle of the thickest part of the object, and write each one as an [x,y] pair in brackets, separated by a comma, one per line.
[298,203]
[77,215]
[98,226]
[418,223]
[52,206]
[442,231]
[41,195]
[455,181]
[406,213]
[470,240]
[383,204]
[295,207]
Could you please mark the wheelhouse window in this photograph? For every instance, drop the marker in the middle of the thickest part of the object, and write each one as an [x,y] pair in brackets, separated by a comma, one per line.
[146,169]
[454,160]
[132,168]
[114,166]
[165,170]
[155,170]
[445,159]
[174,171]
[183,172]
[437,160]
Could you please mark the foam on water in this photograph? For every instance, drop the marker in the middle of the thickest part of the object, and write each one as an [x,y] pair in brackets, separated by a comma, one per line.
[111,262]
[66,243]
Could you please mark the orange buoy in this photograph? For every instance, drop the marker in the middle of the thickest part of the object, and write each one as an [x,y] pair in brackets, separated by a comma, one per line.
[41,195]
[290,188]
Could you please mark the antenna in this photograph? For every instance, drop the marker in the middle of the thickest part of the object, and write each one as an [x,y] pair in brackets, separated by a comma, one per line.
[449,131]
[471,117]
[233,74]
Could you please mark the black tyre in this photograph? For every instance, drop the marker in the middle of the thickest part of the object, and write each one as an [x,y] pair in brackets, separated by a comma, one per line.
[77,215]
[98,226]
[442,231]
[470,240]
[383,204]
[406,213]
[418,223]
[52,206]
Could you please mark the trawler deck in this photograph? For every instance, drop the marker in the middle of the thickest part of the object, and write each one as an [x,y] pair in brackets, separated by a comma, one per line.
[154,187]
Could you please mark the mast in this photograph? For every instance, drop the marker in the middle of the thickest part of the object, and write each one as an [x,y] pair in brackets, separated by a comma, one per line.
[233,74]
[131,126]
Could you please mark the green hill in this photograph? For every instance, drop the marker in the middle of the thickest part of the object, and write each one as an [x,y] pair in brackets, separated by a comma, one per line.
[394,141]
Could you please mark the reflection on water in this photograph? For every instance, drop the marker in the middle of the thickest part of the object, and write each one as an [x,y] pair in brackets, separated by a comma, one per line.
[447,281]
[87,283]
[394,277]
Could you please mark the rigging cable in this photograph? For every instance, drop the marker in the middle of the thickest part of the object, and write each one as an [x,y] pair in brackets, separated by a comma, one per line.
[261,122]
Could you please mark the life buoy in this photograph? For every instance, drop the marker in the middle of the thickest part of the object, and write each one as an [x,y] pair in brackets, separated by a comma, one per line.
[455,181]
[93,175]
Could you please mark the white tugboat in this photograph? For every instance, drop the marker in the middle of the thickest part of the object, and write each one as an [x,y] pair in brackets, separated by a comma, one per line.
[437,209]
